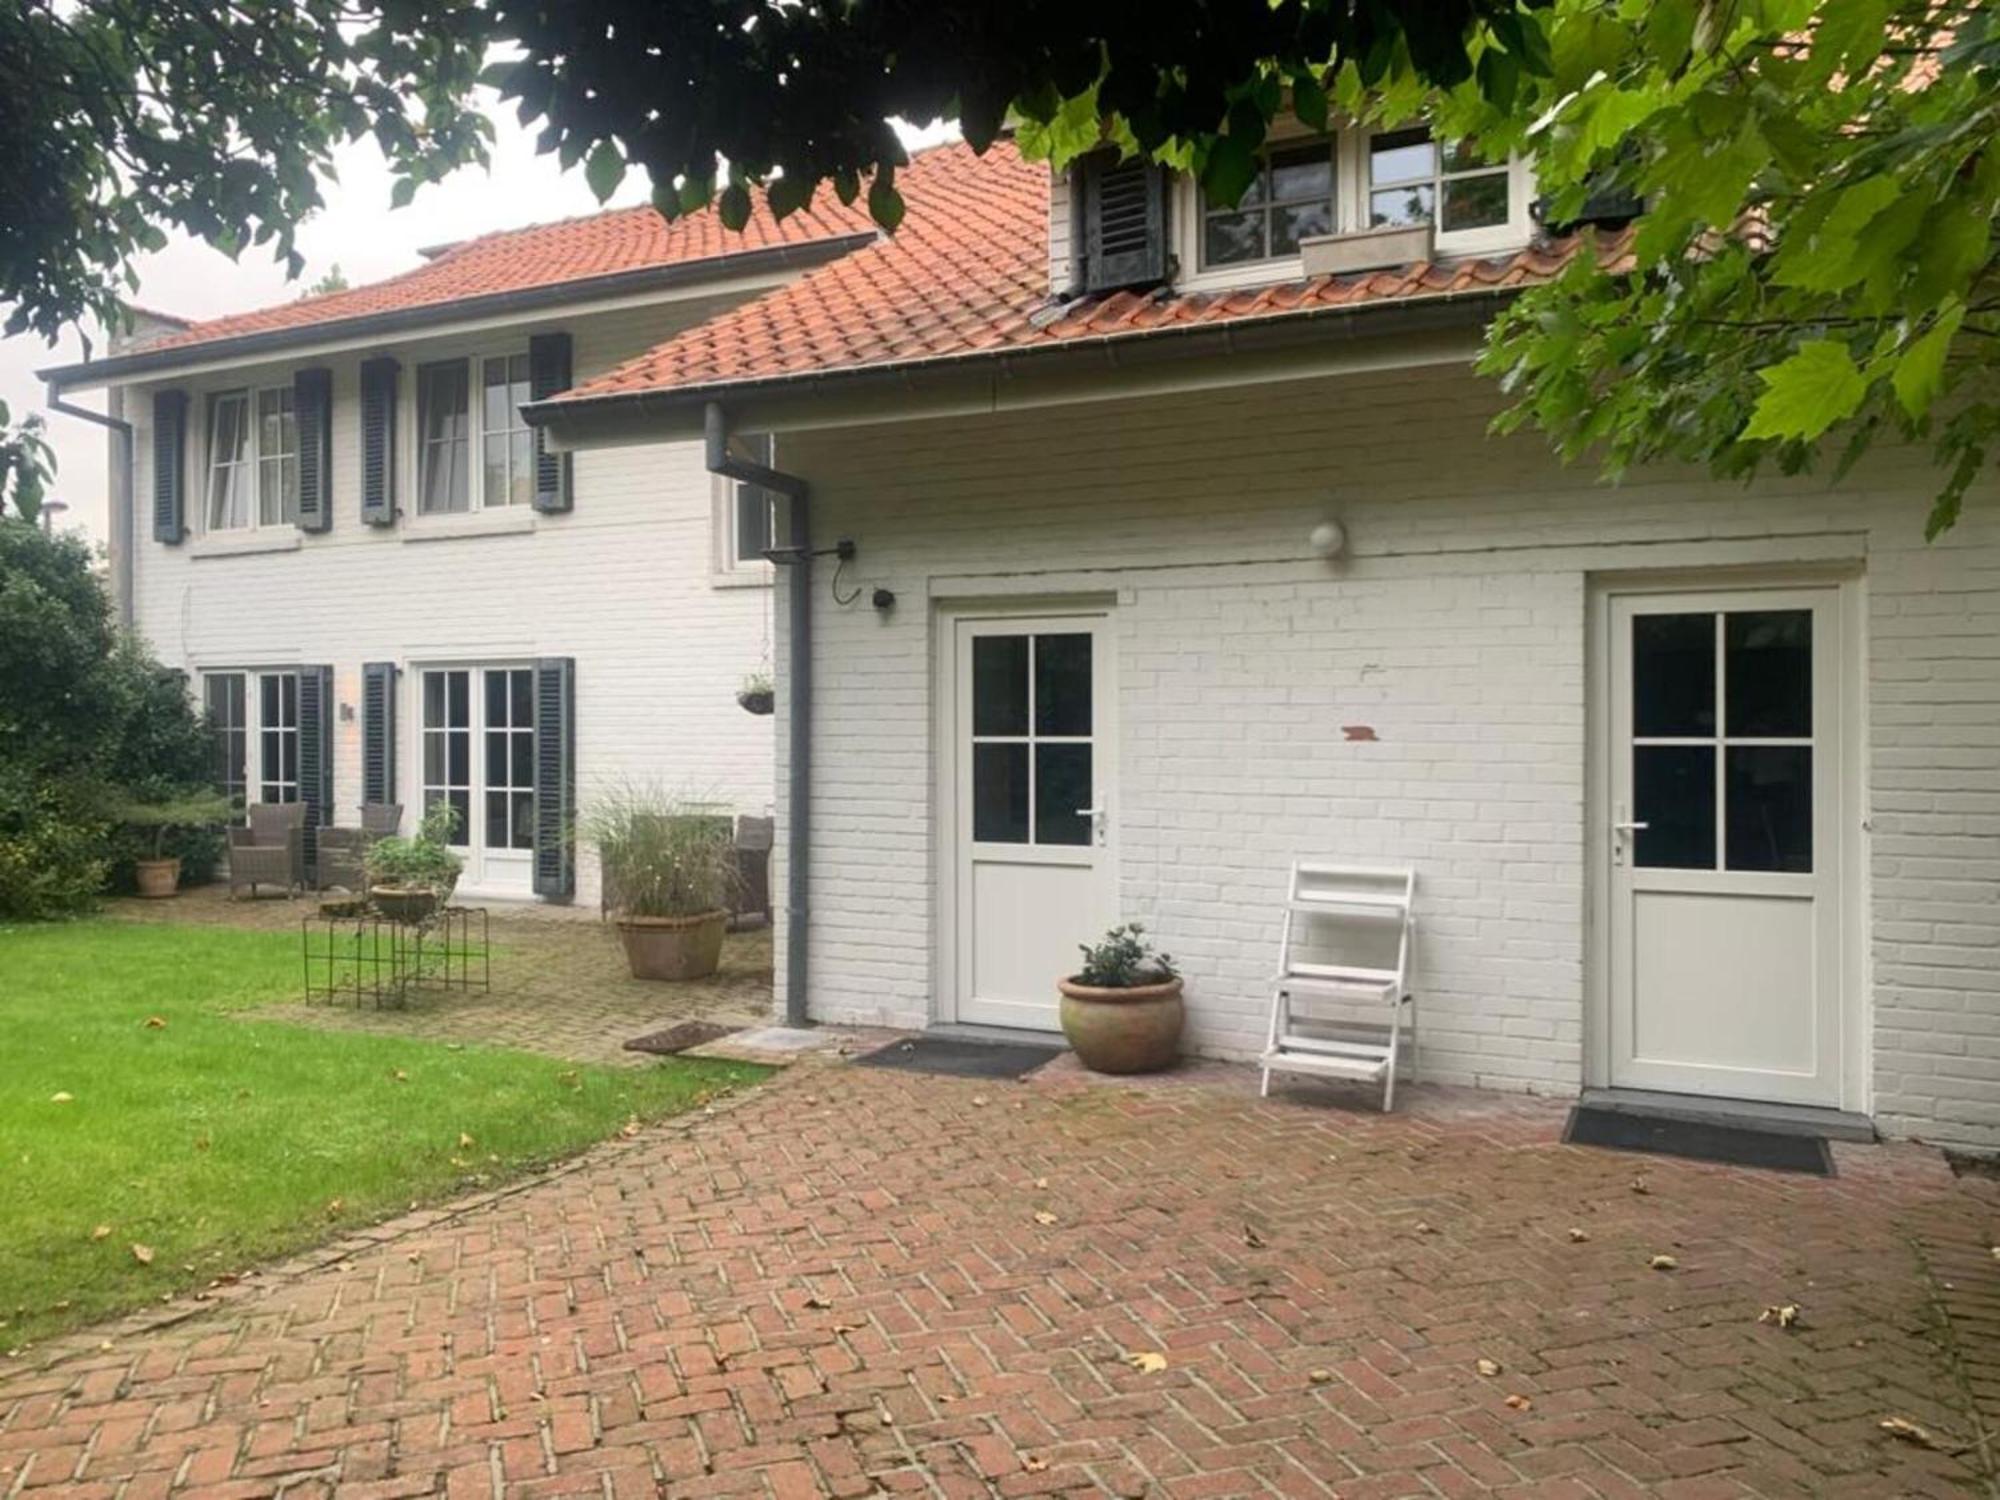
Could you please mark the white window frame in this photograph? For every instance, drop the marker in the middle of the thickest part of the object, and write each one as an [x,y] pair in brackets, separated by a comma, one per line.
[256,774]
[252,463]
[1511,234]
[731,566]
[1349,146]
[477,500]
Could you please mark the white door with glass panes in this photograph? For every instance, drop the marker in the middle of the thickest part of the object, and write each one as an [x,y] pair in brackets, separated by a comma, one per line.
[1725,843]
[253,723]
[476,750]
[1032,818]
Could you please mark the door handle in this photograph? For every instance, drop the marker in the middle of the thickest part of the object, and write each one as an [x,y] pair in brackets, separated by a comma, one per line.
[1629,827]
[1096,816]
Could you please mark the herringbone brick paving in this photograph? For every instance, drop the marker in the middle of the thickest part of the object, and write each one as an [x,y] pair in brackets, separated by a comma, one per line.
[840,1286]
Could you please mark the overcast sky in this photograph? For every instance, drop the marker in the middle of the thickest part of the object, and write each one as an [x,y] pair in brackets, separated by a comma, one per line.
[357,231]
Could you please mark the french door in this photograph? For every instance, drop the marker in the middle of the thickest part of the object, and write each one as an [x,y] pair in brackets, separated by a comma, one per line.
[1725,838]
[1029,813]
[478,755]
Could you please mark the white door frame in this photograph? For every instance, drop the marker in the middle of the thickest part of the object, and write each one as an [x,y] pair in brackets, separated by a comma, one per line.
[946,617]
[1856,1072]
[481,864]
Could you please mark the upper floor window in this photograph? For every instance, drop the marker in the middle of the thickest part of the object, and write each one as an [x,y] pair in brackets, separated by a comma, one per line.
[1414,180]
[1292,199]
[746,515]
[253,459]
[453,430]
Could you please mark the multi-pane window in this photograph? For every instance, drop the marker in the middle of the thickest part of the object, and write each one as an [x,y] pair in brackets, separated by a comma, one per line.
[253,459]
[1414,180]
[278,737]
[1292,199]
[225,697]
[448,746]
[1032,741]
[473,454]
[746,514]
[510,758]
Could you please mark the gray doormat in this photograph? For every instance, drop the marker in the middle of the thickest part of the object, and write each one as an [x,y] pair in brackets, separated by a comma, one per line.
[957,1057]
[680,1038]
[1698,1140]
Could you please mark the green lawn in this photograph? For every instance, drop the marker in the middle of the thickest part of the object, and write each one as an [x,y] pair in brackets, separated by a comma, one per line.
[215,1142]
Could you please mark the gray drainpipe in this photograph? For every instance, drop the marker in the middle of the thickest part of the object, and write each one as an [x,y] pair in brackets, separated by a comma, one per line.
[798,670]
[121,491]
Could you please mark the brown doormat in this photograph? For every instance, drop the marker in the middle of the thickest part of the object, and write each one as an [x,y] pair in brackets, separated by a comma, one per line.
[680,1038]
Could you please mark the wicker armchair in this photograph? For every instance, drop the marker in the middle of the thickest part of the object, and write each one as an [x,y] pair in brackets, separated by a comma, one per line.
[270,849]
[343,852]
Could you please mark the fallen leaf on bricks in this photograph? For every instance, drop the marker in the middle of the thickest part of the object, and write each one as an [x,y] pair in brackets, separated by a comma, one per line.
[1146,1361]
[1044,1217]
[1664,1263]
[1520,1403]
[142,1254]
[1033,1464]
[1908,1431]
[979,1100]
[1785,1315]
[1252,1238]
[101,1232]
[1424,1228]
[630,1128]
[1042,1183]
[1577,1237]
[1639,1186]
[817,1302]
[1319,1377]
[1488,1367]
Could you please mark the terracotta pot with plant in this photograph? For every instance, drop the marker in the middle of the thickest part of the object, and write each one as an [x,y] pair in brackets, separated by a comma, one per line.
[409,878]
[1122,1011]
[670,875]
[159,876]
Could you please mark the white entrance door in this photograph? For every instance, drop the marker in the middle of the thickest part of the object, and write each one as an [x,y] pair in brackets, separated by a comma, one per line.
[1031,811]
[477,751]
[1726,869]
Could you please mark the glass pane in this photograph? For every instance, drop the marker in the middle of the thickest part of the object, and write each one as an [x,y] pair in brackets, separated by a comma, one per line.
[1673,675]
[1062,684]
[1230,238]
[524,821]
[496,698]
[433,760]
[753,522]
[1000,685]
[1475,202]
[1673,793]
[1769,672]
[1770,807]
[521,687]
[1397,207]
[521,459]
[523,768]
[497,408]
[494,476]
[1296,222]
[267,690]
[497,816]
[290,760]
[433,700]
[458,758]
[1062,785]
[461,696]
[1302,174]
[497,760]
[461,806]
[1000,794]
[1401,156]
[1463,156]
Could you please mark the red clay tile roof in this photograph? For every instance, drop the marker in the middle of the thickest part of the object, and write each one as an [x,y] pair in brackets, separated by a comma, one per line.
[542,255]
[967,274]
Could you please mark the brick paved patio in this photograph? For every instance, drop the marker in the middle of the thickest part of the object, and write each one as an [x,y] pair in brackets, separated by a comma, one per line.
[840,1285]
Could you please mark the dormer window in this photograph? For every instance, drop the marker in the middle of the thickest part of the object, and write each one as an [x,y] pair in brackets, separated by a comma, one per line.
[1409,176]
[1293,198]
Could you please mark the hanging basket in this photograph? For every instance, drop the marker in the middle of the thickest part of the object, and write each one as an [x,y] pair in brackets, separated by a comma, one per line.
[757,700]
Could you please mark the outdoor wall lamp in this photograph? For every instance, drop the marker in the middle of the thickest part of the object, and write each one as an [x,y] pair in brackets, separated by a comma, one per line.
[1328,540]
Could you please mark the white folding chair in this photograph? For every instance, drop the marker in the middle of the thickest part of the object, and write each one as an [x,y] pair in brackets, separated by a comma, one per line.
[1344,970]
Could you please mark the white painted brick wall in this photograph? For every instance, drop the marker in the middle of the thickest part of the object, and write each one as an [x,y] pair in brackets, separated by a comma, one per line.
[1456,631]
[623,584]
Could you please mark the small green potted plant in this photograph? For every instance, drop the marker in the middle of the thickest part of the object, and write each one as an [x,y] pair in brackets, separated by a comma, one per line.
[1122,1011]
[409,878]
[670,876]
[158,876]
[757,694]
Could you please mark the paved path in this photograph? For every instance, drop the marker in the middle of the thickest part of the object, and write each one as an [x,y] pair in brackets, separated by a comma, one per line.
[857,1282]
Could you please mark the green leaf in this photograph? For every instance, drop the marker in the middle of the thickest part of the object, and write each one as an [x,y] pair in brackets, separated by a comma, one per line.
[404,190]
[885,204]
[1919,375]
[1229,171]
[789,193]
[1808,393]
[1309,103]
[604,169]
[1848,38]
[733,206]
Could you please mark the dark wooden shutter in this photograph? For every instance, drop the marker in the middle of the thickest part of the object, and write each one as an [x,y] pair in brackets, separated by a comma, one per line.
[1123,206]
[378,731]
[378,441]
[316,711]
[312,409]
[169,466]
[548,373]
[555,776]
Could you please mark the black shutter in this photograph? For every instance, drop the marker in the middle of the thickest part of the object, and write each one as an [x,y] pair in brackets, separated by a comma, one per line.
[312,409]
[378,731]
[316,711]
[548,373]
[555,776]
[378,441]
[169,466]
[1123,233]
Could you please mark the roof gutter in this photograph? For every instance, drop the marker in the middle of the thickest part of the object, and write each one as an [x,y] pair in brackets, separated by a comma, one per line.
[1172,341]
[406,319]
[797,555]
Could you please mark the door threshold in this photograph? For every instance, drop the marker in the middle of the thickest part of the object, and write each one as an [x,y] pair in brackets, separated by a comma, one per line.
[1020,1036]
[1749,1114]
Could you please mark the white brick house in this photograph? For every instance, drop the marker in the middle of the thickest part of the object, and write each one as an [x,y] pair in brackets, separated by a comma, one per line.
[1701,781]
[330,515]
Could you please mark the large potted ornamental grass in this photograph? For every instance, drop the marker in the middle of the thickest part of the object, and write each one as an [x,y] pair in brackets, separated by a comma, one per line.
[158,875]
[1122,1012]
[670,878]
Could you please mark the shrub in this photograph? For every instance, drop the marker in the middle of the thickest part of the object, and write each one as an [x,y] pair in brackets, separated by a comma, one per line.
[1122,961]
[424,859]
[662,856]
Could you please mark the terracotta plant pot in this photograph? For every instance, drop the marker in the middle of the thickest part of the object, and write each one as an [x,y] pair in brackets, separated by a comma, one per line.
[673,947]
[158,878]
[408,904]
[1137,1030]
